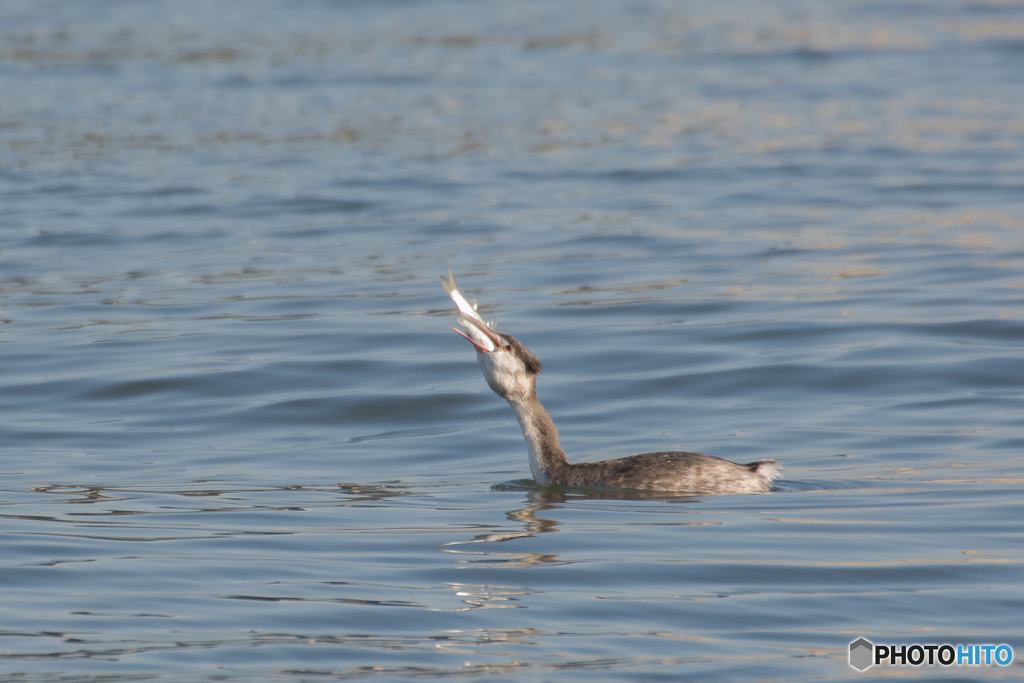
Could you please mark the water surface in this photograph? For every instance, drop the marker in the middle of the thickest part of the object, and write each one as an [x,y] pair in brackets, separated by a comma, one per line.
[240,443]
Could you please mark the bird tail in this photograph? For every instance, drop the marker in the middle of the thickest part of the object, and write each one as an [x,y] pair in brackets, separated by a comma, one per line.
[769,469]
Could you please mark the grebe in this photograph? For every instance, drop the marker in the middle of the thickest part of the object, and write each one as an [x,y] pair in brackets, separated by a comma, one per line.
[511,371]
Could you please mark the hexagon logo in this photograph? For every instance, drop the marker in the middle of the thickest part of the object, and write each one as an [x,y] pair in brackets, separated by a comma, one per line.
[862,654]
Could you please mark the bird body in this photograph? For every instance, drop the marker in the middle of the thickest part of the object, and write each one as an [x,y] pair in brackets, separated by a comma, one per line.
[511,371]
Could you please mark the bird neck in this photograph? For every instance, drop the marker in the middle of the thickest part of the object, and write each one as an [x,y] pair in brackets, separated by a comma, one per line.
[546,454]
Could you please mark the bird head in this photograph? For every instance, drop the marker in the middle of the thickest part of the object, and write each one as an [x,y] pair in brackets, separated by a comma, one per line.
[509,368]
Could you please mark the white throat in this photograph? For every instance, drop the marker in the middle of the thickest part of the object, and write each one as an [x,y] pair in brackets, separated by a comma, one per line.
[532,443]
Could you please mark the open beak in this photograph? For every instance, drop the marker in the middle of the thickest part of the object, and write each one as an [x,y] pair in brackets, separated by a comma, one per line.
[483,329]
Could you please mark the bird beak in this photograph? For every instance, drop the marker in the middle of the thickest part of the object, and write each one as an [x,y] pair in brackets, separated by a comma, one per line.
[486,331]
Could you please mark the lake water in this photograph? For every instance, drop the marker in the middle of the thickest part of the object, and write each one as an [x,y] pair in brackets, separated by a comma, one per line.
[239,442]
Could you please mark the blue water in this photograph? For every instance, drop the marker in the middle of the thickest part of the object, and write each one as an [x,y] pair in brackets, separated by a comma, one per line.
[239,442]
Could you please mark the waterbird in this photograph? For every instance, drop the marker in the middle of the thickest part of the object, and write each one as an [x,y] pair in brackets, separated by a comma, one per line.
[511,371]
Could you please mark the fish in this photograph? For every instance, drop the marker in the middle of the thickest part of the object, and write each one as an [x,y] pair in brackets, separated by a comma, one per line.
[478,331]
